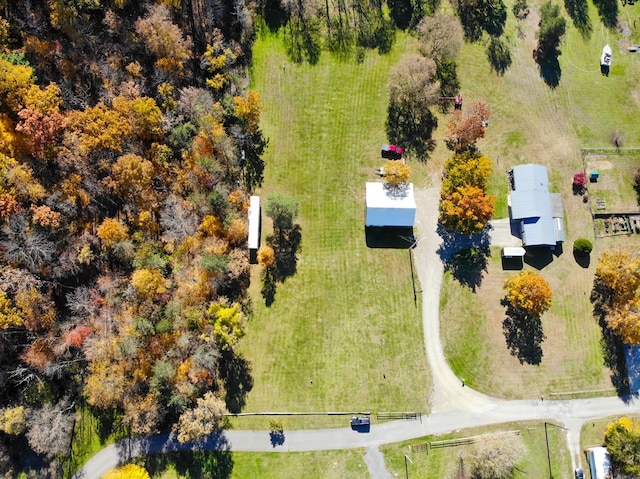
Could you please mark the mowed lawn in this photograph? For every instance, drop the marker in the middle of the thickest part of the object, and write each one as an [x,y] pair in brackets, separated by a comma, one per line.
[344,333]
[533,123]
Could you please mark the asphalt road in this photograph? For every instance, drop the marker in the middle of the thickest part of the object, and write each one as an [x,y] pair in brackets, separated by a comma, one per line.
[453,406]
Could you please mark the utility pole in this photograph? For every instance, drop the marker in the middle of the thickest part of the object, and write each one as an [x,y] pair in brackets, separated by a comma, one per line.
[546,437]
[406,465]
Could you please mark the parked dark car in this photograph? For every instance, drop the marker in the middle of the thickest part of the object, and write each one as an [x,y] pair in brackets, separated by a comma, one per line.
[579,474]
[357,421]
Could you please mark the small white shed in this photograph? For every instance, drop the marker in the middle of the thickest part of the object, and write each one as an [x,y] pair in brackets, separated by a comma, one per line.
[390,206]
[255,220]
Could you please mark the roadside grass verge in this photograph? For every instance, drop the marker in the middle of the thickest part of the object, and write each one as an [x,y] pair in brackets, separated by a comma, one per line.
[592,432]
[344,333]
[532,123]
[245,465]
[447,461]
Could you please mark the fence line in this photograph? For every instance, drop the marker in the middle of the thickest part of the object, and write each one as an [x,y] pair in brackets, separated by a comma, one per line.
[461,441]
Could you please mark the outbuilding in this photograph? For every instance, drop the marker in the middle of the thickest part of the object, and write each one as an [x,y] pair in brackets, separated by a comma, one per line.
[255,220]
[390,206]
[599,463]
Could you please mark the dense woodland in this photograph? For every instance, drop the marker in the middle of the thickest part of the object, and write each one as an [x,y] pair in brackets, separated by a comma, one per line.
[128,147]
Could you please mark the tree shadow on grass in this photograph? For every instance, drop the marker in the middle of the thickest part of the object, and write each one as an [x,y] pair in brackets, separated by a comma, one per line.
[612,346]
[468,266]
[286,244]
[523,334]
[583,260]
[192,465]
[578,10]
[550,70]
[107,423]
[235,371]
[465,256]
[608,11]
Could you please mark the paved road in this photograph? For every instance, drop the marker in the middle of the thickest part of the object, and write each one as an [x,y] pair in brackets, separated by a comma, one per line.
[453,405]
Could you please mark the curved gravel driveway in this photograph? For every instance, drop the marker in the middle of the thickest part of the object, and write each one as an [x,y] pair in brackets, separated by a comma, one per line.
[453,406]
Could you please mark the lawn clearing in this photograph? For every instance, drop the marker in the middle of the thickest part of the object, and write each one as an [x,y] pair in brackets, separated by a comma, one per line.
[532,123]
[447,461]
[344,333]
[245,465]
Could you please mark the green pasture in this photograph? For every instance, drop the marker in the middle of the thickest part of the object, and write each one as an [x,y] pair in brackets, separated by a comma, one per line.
[532,122]
[436,463]
[344,333]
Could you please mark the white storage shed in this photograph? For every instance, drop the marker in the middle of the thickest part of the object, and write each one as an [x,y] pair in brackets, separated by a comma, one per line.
[390,206]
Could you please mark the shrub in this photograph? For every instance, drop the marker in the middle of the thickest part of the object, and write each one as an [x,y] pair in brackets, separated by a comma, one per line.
[582,246]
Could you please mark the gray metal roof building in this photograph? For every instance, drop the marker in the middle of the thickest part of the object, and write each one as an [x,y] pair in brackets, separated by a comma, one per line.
[538,211]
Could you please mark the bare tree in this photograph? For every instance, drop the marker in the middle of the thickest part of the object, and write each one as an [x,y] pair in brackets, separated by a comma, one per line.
[23,247]
[50,428]
[178,220]
[496,458]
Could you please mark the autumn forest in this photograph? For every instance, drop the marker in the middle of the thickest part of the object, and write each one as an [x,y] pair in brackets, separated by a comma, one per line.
[128,147]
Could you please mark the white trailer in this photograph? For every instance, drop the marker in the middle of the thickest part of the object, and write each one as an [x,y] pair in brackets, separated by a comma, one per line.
[255,220]
[599,463]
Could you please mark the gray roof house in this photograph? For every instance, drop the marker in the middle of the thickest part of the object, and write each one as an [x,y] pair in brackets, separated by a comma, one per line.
[538,212]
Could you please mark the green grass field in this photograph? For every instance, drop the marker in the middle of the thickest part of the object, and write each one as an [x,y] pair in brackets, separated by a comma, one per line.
[438,463]
[344,332]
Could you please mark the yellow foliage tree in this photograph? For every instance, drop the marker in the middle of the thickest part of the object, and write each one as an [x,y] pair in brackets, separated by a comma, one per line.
[211,226]
[111,231]
[105,384]
[144,114]
[100,127]
[396,173]
[248,109]
[15,80]
[529,292]
[131,177]
[148,282]
[10,316]
[130,471]
[13,420]
[466,169]
[619,270]
[229,324]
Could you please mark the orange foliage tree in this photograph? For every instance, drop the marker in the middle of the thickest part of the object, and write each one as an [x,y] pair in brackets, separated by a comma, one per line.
[529,292]
[467,209]
[618,280]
